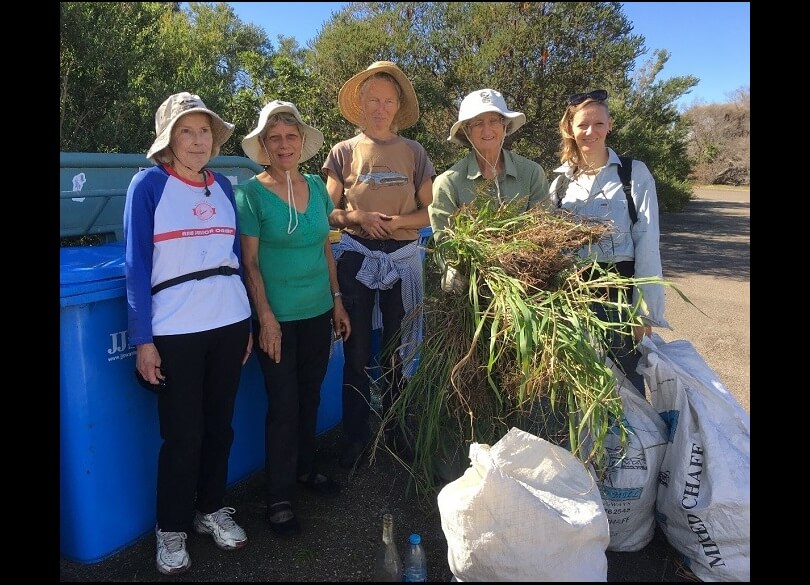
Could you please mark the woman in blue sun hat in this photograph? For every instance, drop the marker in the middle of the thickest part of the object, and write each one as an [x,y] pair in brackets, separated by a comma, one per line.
[188,315]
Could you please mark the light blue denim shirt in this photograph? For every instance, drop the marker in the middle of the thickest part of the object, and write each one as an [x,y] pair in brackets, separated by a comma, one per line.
[605,200]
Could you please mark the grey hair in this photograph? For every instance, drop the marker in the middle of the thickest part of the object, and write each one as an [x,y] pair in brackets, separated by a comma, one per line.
[282,118]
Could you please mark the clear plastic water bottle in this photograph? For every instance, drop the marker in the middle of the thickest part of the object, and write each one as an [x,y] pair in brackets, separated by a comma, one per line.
[388,564]
[415,562]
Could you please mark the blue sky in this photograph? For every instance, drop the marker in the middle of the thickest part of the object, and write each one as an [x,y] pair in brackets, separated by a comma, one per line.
[710,40]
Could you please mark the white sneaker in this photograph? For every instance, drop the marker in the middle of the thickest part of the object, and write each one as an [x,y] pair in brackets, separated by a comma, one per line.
[172,557]
[227,533]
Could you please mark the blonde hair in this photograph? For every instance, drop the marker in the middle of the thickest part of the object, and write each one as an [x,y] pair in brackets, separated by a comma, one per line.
[569,151]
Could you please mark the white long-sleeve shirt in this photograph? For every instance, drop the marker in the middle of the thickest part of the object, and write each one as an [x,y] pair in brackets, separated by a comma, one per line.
[602,197]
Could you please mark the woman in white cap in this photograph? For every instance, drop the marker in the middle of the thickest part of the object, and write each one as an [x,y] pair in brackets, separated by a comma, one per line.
[484,121]
[381,185]
[189,319]
[590,185]
[291,278]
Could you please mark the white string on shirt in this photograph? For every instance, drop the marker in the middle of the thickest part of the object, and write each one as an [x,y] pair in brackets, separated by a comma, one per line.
[291,204]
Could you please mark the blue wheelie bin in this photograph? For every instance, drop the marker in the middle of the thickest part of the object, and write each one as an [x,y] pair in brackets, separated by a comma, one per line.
[109,432]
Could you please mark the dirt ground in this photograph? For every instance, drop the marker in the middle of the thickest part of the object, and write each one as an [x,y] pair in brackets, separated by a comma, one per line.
[706,252]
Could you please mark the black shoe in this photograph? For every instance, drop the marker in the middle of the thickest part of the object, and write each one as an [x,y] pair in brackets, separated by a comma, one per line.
[282,520]
[320,484]
[351,455]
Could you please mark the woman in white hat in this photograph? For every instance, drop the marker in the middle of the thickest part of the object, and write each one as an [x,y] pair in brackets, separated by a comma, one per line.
[381,185]
[292,282]
[484,121]
[189,319]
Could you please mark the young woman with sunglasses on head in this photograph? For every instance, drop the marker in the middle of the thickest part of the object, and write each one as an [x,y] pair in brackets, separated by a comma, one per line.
[590,186]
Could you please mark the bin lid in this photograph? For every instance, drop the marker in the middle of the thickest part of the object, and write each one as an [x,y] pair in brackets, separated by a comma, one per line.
[84,264]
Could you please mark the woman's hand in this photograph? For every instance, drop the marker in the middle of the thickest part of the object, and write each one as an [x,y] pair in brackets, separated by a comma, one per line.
[340,319]
[641,331]
[376,226]
[248,349]
[270,339]
[147,361]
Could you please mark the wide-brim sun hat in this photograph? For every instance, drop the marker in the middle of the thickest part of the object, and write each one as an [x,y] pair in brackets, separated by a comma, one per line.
[177,106]
[349,96]
[252,143]
[479,102]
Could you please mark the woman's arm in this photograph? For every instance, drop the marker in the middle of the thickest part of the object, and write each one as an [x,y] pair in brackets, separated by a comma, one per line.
[270,333]
[340,318]
[372,223]
[647,254]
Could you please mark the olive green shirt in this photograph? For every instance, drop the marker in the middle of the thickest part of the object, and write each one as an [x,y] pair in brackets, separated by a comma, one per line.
[458,185]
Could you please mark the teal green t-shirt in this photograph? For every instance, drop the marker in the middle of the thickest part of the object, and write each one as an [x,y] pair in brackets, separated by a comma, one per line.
[293,265]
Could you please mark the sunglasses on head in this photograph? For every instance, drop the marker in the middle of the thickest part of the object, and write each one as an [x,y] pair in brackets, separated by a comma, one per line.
[599,95]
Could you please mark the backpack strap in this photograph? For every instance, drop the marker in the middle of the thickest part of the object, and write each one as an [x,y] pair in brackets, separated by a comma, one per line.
[625,172]
[559,191]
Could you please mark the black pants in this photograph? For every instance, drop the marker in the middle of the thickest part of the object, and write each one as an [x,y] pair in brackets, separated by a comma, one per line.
[293,389]
[621,344]
[358,300]
[203,371]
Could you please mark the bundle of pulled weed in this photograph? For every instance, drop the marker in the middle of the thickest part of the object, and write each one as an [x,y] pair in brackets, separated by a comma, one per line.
[522,347]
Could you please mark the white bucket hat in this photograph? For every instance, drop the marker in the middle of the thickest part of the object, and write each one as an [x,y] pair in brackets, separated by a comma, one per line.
[478,102]
[251,144]
[173,109]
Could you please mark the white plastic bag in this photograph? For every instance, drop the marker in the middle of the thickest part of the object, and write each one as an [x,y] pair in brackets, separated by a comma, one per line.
[704,497]
[526,510]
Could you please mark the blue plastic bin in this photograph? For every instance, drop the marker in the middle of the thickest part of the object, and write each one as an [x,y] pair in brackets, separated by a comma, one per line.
[109,433]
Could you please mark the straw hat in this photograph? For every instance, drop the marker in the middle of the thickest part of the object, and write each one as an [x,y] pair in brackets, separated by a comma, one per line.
[173,109]
[478,102]
[349,96]
[252,145]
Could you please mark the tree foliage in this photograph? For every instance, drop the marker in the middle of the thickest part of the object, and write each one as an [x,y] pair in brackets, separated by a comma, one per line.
[119,61]
[102,51]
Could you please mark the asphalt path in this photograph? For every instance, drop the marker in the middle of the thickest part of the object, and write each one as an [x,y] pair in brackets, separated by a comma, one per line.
[706,254]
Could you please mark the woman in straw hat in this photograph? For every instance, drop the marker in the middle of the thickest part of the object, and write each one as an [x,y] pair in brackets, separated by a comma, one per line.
[292,282]
[484,121]
[189,319]
[381,185]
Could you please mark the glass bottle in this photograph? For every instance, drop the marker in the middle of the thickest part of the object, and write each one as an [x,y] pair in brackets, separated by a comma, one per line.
[388,564]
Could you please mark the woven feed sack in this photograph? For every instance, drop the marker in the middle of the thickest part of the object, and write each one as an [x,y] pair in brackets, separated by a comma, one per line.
[629,484]
[525,510]
[704,493]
